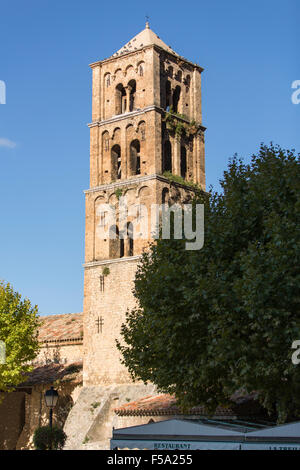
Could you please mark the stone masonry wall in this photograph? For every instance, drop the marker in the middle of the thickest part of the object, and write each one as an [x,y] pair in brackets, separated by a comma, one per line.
[130,147]
[22,412]
[101,358]
[60,353]
[12,419]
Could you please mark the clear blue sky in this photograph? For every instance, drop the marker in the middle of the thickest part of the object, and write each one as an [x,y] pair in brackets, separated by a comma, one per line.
[247,48]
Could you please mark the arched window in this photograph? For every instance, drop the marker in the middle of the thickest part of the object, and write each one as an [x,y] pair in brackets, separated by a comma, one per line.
[183,162]
[105,141]
[170,71]
[142,130]
[176,98]
[135,158]
[141,70]
[129,239]
[165,196]
[121,247]
[187,82]
[132,88]
[107,80]
[114,242]
[168,95]
[120,99]
[167,157]
[116,170]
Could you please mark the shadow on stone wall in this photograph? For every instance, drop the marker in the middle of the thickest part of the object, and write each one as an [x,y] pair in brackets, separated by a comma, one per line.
[23,410]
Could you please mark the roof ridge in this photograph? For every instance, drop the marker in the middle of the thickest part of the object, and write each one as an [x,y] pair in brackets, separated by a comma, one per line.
[50,315]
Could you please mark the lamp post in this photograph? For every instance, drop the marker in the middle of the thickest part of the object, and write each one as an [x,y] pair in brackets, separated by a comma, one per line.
[51,397]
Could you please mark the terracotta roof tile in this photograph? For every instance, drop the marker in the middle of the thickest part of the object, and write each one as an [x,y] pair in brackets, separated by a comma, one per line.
[50,373]
[165,404]
[68,326]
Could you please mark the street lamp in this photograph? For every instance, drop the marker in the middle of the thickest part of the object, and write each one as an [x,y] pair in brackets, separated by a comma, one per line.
[51,397]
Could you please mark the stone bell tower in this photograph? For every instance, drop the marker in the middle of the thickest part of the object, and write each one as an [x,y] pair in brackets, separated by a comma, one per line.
[146,124]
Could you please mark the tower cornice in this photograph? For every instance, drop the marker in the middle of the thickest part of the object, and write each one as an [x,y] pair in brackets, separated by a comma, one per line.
[151,46]
[124,116]
[92,264]
[134,181]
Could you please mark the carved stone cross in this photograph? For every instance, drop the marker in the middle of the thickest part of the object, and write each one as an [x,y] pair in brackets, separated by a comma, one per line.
[99,323]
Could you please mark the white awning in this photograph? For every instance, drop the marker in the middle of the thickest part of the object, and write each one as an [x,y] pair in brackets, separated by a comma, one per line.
[283,437]
[284,431]
[176,434]
[173,445]
[191,435]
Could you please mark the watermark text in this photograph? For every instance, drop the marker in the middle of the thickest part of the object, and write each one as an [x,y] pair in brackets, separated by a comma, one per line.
[2,92]
[163,221]
[296,94]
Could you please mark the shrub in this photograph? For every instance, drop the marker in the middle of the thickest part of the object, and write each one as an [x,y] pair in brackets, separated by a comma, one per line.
[46,438]
[105,271]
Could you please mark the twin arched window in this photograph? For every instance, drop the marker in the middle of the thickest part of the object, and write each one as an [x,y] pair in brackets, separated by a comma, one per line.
[125,100]
[119,245]
[135,160]
[172,99]
[167,159]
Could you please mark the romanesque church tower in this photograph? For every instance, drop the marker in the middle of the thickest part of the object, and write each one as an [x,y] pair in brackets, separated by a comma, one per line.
[146,123]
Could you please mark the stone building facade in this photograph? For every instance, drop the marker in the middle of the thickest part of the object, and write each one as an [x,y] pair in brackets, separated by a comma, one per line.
[61,339]
[146,124]
[58,364]
[24,409]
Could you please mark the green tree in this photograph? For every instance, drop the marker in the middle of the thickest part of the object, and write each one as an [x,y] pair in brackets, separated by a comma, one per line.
[18,331]
[222,319]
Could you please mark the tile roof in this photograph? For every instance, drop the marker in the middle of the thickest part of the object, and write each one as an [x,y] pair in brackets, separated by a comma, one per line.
[165,404]
[61,328]
[146,37]
[50,373]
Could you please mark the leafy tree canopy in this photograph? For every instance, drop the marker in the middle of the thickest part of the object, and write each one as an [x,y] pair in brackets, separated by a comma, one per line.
[18,331]
[211,322]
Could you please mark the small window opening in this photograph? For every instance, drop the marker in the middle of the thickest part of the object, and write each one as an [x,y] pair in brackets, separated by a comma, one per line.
[183,162]
[167,156]
[132,88]
[135,158]
[101,283]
